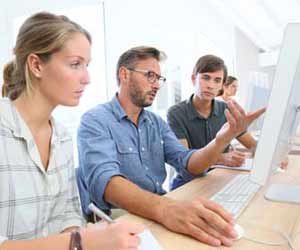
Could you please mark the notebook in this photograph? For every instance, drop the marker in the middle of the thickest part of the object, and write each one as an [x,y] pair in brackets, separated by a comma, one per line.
[148,241]
[247,166]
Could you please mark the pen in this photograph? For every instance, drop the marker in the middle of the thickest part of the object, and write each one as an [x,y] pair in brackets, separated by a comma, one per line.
[100,213]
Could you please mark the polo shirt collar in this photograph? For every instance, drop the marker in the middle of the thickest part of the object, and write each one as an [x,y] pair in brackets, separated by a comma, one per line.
[217,110]
[192,112]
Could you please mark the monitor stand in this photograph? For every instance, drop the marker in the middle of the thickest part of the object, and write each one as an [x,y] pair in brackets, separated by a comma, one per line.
[283,193]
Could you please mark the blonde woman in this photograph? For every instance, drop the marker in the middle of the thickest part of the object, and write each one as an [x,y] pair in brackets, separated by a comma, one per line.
[39,206]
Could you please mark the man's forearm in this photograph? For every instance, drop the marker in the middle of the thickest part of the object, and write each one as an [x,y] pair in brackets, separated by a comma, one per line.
[125,194]
[205,157]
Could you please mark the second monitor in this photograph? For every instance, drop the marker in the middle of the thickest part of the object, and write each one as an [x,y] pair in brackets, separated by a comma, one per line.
[281,119]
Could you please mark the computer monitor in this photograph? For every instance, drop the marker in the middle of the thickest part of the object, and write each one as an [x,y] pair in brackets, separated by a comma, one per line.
[281,118]
[260,97]
[258,92]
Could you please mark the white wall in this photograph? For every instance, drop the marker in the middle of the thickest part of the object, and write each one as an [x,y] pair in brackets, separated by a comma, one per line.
[247,55]
[175,26]
[5,39]
[12,9]
[172,25]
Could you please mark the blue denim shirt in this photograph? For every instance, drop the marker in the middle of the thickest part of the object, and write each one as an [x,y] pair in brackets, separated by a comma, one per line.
[109,144]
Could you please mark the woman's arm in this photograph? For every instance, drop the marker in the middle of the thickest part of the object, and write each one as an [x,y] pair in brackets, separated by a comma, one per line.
[58,242]
[120,235]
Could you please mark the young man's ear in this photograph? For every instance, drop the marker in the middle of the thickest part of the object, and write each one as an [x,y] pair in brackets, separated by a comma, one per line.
[194,78]
[34,65]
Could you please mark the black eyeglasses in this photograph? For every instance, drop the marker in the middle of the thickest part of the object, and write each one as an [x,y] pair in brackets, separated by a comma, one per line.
[152,77]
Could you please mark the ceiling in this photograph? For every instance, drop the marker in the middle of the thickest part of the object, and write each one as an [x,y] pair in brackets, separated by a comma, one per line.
[262,21]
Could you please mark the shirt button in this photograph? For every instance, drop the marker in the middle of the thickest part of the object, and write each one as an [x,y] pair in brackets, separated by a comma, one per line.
[157,183]
[130,148]
[143,149]
[147,168]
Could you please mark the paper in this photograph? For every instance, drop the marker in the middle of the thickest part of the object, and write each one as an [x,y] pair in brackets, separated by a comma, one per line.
[247,166]
[148,241]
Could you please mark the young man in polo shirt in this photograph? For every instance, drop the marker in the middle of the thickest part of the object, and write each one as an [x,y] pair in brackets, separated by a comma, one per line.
[196,121]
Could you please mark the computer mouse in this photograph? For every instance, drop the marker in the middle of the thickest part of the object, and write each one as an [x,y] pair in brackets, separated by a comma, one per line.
[239,231]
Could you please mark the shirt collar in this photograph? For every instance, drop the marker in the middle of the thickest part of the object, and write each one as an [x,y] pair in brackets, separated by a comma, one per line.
[120,113]
[192,112]
[11,119]
[117,109]
[217,110]
[59,133]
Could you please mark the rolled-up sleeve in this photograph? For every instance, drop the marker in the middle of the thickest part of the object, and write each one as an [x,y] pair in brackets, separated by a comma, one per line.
[97,157]
[176,154]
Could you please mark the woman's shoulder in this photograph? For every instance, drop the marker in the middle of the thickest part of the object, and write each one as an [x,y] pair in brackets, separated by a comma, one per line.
[7,114]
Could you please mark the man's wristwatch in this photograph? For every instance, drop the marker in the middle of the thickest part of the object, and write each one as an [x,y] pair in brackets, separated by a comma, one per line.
[75,241]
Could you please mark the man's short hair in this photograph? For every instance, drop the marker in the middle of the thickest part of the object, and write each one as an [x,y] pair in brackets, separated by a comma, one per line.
[129,58]
[210,63]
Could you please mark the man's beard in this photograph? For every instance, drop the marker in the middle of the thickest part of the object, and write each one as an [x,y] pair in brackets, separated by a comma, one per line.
[139,98]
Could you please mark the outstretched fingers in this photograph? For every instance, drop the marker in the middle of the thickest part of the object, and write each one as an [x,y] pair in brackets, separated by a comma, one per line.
[254,115]
[238,107]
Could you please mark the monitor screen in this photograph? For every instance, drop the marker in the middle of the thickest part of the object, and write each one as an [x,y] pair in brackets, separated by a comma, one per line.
[282,115]
[260,97]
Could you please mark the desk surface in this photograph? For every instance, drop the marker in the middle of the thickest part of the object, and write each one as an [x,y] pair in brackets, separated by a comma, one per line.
[260,219]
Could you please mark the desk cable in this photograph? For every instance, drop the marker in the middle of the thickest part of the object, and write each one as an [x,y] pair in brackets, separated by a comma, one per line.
[287,239]
[295,237]
[296,224]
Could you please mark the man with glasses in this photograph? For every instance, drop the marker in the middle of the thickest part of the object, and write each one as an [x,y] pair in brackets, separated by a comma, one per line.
[151,76]
[123,149]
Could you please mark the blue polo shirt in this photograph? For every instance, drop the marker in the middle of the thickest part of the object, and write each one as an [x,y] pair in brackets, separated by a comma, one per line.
[110,144]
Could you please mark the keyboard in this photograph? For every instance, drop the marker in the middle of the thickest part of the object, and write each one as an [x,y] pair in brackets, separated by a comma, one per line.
[235,195]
